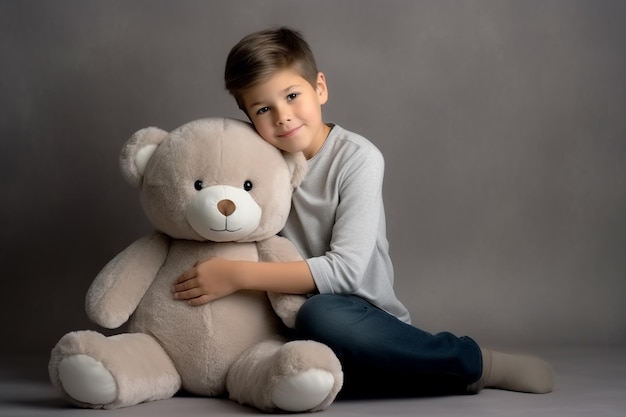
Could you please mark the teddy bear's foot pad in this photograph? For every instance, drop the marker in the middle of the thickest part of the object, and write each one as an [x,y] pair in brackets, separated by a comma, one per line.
[303,391]
[87,380]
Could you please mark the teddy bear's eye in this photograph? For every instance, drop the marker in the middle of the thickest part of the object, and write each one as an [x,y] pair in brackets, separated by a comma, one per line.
[197,185]
[247,185]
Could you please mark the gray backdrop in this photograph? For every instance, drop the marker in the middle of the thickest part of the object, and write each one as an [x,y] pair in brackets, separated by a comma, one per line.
[502,124]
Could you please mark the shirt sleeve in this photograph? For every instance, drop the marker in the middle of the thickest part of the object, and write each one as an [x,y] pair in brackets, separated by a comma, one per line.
[357,224]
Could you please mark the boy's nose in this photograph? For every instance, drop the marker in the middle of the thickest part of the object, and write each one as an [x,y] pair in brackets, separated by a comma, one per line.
[282,117]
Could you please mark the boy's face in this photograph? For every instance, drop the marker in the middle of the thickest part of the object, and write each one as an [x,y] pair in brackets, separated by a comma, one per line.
[287,111]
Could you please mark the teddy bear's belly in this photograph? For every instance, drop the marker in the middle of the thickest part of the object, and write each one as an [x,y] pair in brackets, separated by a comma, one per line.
[203,341]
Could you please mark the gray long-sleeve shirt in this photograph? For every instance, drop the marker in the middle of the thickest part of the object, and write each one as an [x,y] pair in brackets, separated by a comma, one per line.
[337,222]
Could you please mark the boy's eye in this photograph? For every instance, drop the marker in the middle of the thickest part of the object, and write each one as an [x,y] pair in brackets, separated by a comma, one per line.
[263,110]
[292,96]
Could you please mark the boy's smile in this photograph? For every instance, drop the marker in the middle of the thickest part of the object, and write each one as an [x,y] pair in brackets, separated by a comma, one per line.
[287,111]
[290,133]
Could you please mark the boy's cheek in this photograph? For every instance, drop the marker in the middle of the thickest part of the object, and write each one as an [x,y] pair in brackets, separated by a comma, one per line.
[263,130]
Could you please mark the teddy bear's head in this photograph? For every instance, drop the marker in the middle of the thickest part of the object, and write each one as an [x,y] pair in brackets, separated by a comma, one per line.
[212,179]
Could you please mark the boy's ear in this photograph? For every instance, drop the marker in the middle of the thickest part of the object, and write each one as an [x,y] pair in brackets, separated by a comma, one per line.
[321,88]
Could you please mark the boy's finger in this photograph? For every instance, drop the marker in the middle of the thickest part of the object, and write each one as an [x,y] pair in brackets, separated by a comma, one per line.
[187,275]
[184,286]
[187,294]
[198,301]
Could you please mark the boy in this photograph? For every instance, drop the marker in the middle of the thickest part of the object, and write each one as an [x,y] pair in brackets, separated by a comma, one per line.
[337,223]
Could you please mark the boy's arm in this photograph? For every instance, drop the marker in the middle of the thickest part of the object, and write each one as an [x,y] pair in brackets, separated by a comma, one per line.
[216,277]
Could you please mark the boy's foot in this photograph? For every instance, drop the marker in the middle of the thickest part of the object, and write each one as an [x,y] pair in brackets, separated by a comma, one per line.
[514,373]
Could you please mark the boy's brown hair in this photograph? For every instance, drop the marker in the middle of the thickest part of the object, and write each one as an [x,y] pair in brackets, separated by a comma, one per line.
[258,55]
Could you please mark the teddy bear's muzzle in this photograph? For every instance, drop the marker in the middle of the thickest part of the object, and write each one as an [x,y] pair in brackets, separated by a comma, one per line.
[223,213]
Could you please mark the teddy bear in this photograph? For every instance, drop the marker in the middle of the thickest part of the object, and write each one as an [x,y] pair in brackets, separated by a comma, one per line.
[211,188]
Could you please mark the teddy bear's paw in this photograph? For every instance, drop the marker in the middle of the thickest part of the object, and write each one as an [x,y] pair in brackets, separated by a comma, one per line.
[87,380]
[303,391]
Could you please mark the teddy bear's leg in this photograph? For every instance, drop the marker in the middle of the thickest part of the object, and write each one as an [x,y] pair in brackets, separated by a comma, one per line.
[296,376]
[94,371]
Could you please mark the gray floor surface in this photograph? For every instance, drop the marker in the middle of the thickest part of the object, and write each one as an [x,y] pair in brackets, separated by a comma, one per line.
[590,382]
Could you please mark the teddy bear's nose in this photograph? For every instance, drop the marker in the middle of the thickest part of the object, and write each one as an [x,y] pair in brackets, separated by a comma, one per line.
[226,207]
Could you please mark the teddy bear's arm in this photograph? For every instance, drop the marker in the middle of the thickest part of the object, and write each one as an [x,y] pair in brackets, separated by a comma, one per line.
[279,249]
[118,288]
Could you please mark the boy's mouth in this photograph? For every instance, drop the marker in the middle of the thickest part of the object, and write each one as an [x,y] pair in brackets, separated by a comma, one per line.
[289,132]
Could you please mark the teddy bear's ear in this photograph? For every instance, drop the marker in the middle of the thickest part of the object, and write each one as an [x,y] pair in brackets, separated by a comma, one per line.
[297,166]
[137,152]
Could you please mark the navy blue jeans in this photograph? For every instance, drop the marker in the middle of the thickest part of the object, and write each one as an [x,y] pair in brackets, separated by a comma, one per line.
[383,356]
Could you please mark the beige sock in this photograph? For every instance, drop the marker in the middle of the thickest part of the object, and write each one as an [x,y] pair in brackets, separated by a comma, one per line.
[514,373]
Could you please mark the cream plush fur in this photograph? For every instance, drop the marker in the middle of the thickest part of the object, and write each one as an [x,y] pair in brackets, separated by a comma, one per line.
[230,347]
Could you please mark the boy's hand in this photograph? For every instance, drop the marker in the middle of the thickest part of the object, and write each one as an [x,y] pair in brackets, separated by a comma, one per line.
[207,281]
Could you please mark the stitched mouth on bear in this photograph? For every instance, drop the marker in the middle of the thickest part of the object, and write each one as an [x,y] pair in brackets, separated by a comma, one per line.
[226,229]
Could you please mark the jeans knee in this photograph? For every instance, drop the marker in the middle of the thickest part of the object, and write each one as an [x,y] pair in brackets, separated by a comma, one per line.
[318,318]
[311,312]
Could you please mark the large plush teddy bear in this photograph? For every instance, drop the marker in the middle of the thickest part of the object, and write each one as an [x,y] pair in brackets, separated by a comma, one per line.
[212,187]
